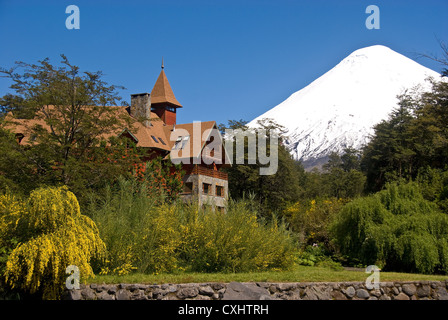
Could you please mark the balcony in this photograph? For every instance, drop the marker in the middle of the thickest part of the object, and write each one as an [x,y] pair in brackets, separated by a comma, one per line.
[208,172]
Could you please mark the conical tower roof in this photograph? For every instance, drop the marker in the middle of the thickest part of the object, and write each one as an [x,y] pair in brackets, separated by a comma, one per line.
[162,92]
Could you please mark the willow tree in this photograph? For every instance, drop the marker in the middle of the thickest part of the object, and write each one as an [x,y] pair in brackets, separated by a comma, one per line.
[396,229]
[50,235]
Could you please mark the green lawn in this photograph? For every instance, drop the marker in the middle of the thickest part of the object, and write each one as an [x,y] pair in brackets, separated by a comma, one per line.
[298,274]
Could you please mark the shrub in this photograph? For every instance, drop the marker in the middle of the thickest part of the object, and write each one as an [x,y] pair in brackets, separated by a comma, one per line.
[53,234]
[396,229]
[434,185]
[136,231]
[310,219]
[235,241]
[145,236]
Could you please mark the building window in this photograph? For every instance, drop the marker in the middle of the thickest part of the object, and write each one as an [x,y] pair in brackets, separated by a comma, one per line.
[163,142]
[177,144]
[154,138]
[19,137]
[220,209]
[188,187]
[206,207]
[181,142]
[220,191]
[184,141]
[206,188]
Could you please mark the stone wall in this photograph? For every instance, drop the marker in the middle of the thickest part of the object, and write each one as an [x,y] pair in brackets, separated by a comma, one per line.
[415,290]
[198,195]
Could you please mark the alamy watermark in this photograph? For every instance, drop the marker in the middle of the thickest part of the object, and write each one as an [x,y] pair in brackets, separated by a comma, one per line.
[73,20]
[373,281]
[72,281]
[208,146]
[373,20]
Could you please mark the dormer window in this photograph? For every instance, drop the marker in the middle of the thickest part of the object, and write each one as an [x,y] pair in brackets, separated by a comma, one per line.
[19,137]
[181,142]
[184,141]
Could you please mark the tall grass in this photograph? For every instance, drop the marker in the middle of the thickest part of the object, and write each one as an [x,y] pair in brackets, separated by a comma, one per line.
[145,236]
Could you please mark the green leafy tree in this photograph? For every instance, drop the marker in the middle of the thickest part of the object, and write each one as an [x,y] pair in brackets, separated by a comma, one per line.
[396,229]
[334,161]
[430,127]
[272,191]
[342,176]
[351,160]
[68,126]
[414,136]
[390,154]
[434,185]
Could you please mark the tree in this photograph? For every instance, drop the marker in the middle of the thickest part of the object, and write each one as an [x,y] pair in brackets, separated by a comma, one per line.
[443,60]
[389,154]
[68,124]
[351,159]
[273,191]
[51,234]
[310,219]
[342,175]
[334,161]
[163,179]
[430,127]
[20,167]
[414,136]
[434,185]
[396,229]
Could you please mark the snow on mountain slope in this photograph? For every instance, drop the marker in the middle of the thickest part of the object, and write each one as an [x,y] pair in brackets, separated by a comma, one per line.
[339,109]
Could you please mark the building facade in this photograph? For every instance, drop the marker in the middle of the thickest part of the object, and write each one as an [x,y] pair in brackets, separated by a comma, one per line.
[197,146]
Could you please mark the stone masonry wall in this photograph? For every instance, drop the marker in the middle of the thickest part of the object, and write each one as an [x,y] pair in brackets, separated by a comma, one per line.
[414,290]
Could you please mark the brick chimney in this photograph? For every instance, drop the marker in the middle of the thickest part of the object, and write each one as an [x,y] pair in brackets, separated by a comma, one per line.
[141,108]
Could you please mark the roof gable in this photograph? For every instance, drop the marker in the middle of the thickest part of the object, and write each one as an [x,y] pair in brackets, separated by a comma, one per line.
[199,134]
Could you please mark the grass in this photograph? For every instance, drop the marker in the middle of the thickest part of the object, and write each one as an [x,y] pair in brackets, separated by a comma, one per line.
[298,274]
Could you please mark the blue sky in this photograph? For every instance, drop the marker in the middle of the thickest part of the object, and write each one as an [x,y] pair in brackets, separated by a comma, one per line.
[224,59]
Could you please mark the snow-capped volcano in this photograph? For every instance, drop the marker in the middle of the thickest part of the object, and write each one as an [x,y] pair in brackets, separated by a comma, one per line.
[340,108]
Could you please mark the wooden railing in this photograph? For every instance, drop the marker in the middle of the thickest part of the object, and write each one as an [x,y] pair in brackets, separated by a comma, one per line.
[209,173]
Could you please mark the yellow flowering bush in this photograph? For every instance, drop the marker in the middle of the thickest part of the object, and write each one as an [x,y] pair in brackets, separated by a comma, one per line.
[140,233]
[157,251]
[235,241]
[11,209]
[53,234]
[310,219]
[145,236]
